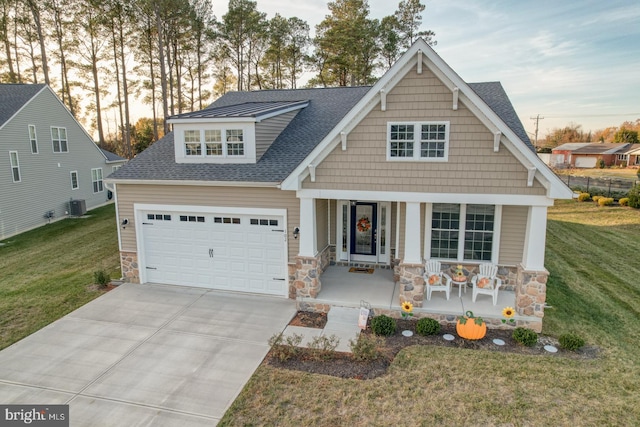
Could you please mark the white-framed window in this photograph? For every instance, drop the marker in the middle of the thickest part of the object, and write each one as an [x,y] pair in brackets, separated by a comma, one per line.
[235,142]
[33,138]
[621,157]
[209,143]
[115,168]
[463,232]
[59,139]
[96,180]
[74,180]
[15,166]
[213,142]
[418,141]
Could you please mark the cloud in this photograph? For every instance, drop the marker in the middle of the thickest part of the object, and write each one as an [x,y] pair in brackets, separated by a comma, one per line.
[548,45]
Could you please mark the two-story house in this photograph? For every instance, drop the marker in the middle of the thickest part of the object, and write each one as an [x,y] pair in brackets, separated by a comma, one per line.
[51,168]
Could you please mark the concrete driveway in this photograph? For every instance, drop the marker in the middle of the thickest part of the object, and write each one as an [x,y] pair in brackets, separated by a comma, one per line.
[145,355]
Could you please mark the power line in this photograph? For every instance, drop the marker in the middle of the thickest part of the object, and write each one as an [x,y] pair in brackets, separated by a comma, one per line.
[537,119]
[553,116]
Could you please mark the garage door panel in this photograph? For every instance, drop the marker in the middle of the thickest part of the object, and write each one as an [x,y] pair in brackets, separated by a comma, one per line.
[210,251]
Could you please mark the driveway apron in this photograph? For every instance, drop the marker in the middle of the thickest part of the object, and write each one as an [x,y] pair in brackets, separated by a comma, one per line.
[145,355]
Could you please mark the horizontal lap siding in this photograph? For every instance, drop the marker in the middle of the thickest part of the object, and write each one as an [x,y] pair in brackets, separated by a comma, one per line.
[512,234]
[473,166]
[268,130]
[241,197]
[45,177]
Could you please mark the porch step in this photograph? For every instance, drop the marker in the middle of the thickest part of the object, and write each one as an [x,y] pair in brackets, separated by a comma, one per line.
[343,323]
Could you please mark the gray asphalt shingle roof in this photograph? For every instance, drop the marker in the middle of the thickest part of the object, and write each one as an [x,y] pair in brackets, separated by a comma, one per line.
[14,96]
[493,94]
[327,106]
[112,157]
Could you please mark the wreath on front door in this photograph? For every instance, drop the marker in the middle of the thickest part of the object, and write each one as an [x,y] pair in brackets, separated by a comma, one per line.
[363,224]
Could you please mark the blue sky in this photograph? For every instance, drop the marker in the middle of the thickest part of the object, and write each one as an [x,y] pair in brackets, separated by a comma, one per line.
[569,61]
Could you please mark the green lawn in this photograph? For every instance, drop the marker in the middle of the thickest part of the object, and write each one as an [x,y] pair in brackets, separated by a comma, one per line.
[46,272]
[626,173]
[592,255]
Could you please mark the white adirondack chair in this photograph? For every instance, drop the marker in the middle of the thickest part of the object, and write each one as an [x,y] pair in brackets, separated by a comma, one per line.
[486,282]
[435,280]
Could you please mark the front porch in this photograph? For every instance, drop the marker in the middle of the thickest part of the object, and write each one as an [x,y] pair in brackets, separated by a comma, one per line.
[378,289]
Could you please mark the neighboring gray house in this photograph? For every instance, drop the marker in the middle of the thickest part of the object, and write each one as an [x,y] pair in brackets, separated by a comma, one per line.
[51,168]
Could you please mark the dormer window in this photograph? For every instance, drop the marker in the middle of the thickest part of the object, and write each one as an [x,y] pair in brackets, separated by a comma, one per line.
[233,134]
[209,143]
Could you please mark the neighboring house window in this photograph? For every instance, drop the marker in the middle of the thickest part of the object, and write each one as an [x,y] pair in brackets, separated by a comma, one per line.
[74,180]
[115,168]
[34,139]
[622,157]
[59,140]
[15,166]
[210,143]
[475,232]
[96,179]
[423,141]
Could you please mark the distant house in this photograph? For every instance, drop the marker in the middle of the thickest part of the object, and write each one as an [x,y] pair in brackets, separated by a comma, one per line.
[51,166]
[587,154]
[630,156]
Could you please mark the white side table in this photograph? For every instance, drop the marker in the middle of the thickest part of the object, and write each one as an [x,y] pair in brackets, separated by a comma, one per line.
[461,284]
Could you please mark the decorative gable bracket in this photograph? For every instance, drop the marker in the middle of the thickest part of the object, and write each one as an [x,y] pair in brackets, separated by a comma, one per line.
[419,70]
[343,138]
[383,100]
[455,98]
[312,172]
[532,173]
[496,141]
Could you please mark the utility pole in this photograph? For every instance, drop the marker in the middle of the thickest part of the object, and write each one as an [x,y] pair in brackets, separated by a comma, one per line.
[537,119]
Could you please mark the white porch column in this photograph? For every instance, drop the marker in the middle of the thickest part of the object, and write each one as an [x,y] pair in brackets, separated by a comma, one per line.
[412,234]
[307,227]
[534,242]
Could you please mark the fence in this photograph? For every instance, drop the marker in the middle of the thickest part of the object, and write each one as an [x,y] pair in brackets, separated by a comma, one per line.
[603,186]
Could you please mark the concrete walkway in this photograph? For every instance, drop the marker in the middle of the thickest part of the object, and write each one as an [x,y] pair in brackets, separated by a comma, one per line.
[342,322]
[145,355]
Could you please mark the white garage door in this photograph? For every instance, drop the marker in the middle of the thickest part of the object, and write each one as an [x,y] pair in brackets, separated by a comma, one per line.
[586,162]
[243,253]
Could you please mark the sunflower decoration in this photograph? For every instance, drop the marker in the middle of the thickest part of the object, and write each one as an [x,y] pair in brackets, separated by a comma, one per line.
[508,313]
[363,224]
[407,309]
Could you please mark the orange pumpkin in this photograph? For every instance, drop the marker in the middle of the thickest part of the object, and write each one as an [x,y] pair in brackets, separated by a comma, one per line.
[470,327]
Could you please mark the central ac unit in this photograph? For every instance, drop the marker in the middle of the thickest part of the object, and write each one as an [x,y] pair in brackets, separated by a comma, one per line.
[77,207]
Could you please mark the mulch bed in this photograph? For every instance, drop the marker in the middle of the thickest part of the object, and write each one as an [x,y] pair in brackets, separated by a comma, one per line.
[344,366]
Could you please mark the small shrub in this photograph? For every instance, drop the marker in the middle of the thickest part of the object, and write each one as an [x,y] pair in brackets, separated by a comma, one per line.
[596,198]
[624,201]
[525,336]
[284,348]
[427,326]
[101,278]
[323,347]
[383,325]
[601,164]
[634,197]
[584,197]
[366,347]
[571,341]
[605,201]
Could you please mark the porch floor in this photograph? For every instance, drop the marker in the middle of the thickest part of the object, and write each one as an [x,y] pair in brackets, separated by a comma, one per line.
[341,288]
